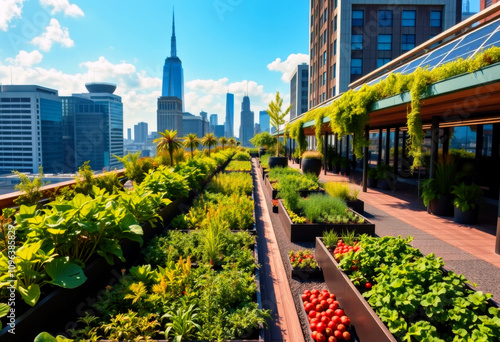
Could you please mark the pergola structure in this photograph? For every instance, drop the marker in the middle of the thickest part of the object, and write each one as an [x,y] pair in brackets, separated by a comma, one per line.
[471,99]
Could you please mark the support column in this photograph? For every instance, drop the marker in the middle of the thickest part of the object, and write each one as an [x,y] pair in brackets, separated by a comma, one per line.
[388,147]
[434,145]
[403,150]
[479,142]
[340,147]
[365,161]
[293,148]
[379,158]
[325,150]
[446,141]
[396,153]
[347,146]
[336,142]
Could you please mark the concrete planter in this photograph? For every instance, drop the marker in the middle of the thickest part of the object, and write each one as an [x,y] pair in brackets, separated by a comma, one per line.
[368,325]
[307,232]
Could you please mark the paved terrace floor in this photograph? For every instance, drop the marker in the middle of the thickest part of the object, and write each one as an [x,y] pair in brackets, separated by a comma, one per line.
[465,249]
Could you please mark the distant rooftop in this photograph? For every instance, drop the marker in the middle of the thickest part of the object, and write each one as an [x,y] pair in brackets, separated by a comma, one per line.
[100,87]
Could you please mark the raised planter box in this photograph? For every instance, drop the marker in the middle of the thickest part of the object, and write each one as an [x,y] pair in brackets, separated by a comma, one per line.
[358,205]
[368,325]
[307,232]
[305,274]
[303,193]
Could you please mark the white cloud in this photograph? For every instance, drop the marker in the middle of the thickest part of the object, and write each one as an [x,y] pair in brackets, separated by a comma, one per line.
[71,10]
[9,9]
[288,66]
[26,59]
[54,33]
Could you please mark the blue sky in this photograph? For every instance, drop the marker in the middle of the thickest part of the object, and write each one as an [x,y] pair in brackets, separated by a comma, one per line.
[225,45]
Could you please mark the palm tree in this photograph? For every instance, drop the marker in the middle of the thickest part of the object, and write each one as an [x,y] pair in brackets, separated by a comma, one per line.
[277,117]
[168,141]
[209,140]
[223,141]
[191,141]
[232,142]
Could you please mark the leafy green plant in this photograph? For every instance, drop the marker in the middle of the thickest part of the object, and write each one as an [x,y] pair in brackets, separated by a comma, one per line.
[30,189]
[318,207]
[167,182]
[136,168]
[191,141]
[341,190]
[243,156]
[131,326]
[236,165]
[446,177]
[168,141]
[183,323]
[302,259]
[210,141]
[290,177]
[330,239]
[277,116]
[231,183]
[466,196]
[312,155]
[373,173]
[263,139]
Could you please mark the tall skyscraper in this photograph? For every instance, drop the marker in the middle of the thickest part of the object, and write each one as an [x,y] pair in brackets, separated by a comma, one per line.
[247,122]
[349,38]
[194,124]
[171,104]
[298,90]
[129,133]
[31,129]
[264,121]
[98,133]
[229,124]
[141,132]
[219,131]
[173,76]
[213,122]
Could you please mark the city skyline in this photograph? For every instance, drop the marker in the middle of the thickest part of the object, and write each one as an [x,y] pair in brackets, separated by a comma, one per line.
[77,42]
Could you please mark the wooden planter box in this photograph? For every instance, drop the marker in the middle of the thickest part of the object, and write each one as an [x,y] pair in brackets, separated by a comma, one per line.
[305,274]
[307,232]
[303,193]
[368,325]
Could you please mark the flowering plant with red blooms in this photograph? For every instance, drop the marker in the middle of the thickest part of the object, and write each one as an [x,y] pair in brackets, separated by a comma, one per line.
[275,202]
[327,321]
[302,259]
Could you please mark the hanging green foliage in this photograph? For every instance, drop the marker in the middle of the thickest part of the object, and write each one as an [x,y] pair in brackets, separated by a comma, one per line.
[318,122]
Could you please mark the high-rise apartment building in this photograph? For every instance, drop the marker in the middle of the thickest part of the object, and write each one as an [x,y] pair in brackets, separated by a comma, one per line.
[171,104]
[350,38]
[141,132]
[129,134]
[264,121]
[194,124]
[31,129]
[298,90]
[213,122]
[219,131]
[229,124]
[98,122]
[247,122]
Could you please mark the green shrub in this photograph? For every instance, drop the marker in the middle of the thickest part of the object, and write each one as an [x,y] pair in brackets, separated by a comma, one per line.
[312,155]
[341,190]
[318,207]
[242,156]
[31,193]
[231,183]
[236,165]
[167,182]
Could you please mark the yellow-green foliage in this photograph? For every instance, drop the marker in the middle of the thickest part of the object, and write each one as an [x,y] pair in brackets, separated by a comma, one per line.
[350,113]
[341,190]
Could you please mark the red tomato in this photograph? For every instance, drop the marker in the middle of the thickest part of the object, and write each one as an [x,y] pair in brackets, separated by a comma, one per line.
[315,292]
[325,319]
[319,307]
[308,307]
[336,319]
[329,300]
[313,326]
[313,335]
[305,298]
[323,314]
[312,313]
[320,337]
[314,301]
[332,339]
[368,285]
[324,303]
[339,312]
[345,320]
[328,332]
[334,306]
[341,327]
[318,315]
[330,313]
[320,327]
[315,320]
[346,335]
[307,292]
[332,325]
[337,334]
[332,296]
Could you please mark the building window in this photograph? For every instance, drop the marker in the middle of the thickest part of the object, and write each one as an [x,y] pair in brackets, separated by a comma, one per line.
[357,18]
[382,61]
[356,66]
[436,19]
[325,15]
[334,71]
[324,96]
[385,18]
[335,23]
[407,42]
[324,78]
[335,48]
[384,42]
[324,58]
[409,18]
[324,37]
[312,20]
[357,42]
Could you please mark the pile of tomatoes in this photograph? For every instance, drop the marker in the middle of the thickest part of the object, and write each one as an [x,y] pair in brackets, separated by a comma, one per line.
[342,248]
[327,320]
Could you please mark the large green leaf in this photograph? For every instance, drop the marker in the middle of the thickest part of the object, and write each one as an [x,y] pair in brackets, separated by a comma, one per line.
[65,273]
[4,309]
[30,294]
[46,337]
